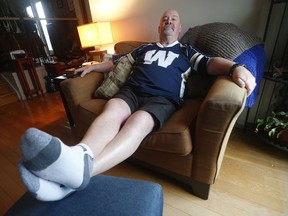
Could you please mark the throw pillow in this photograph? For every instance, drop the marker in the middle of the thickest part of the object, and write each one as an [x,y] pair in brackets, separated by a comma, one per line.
[220,39]
[116,78]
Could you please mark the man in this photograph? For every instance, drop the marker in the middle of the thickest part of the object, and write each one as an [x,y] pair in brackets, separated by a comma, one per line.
[52,170]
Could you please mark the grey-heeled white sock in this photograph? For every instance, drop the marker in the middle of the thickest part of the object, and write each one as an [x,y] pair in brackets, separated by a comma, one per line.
[49,158]
[42,189]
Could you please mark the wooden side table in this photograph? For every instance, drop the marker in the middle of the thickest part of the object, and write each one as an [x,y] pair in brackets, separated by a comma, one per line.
[27,63]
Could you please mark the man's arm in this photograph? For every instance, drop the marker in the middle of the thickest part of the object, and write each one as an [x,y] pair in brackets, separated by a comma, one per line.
[240,75]
[101,67]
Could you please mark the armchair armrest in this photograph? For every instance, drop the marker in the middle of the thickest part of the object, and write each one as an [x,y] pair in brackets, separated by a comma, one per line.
[80,89]
[217,116]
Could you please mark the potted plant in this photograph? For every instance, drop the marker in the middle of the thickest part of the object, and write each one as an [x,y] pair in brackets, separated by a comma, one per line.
[274,128]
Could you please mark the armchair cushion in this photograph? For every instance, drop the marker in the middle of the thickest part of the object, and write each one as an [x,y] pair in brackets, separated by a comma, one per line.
[174,137]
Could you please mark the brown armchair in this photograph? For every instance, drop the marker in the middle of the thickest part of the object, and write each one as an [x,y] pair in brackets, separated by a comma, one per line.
[191,144]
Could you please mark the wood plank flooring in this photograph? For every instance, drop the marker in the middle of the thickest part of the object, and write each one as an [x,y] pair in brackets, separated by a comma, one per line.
[7,95]
[253,179]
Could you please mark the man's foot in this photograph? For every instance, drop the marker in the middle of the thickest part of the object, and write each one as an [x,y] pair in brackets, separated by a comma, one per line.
[50,159]
[41,189]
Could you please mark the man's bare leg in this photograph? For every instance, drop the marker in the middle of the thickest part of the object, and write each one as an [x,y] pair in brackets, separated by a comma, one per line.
[110,143]
[107,125]
[125,143]
[46,157]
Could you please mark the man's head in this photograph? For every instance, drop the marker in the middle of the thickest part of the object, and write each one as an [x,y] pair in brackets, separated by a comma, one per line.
[170,26]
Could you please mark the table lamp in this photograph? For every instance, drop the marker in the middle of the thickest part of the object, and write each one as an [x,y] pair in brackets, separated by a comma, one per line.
[94,35]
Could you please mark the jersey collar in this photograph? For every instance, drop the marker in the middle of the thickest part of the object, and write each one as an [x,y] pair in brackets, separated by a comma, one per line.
[170,45]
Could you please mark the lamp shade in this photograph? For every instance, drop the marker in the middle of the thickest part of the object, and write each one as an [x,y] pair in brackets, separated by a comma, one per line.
[95,34]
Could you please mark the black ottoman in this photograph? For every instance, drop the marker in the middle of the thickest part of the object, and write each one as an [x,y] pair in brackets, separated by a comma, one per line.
[105,195]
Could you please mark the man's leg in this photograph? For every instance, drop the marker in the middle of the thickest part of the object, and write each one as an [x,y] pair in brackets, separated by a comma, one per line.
[106,126]
[152,113]
[48,158]
[121,145]
[125,143]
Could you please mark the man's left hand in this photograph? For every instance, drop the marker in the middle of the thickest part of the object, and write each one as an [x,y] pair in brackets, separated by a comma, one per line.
[243,78]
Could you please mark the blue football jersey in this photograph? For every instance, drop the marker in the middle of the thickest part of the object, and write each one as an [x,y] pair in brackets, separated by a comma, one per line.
[162,71]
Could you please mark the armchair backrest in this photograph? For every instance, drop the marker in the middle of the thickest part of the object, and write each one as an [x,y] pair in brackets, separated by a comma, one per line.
[125,47]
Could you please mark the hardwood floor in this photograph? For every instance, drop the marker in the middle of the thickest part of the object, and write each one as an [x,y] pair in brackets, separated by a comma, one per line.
[253,179]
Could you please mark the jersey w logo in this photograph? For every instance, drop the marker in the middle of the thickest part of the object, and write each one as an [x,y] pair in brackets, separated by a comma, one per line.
[164,59]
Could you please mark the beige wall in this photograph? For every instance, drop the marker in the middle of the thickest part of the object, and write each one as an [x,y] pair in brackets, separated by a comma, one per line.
[138,19]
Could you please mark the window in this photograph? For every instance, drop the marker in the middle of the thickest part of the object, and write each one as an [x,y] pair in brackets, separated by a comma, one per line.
[53,22]
[43,23]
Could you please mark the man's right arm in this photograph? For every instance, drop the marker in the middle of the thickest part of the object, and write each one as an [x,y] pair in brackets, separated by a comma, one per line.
[103,67]
[241,76]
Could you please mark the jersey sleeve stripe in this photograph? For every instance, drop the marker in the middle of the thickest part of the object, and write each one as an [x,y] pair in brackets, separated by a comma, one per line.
[196,58]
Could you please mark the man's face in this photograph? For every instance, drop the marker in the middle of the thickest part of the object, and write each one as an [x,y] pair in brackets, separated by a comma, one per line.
[170,24]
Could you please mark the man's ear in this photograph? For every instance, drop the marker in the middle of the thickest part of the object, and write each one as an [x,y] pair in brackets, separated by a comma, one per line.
[159,29]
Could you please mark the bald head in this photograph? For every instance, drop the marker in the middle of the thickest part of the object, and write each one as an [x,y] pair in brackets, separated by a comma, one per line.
[170,26]
[171,12]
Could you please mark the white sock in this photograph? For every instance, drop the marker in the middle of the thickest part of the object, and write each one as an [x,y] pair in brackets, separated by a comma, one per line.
[49,158]
[42,189]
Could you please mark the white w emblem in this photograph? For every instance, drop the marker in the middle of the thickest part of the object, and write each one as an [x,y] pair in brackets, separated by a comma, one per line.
[163,59]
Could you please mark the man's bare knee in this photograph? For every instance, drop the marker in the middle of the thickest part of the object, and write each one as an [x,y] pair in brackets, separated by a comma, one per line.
[143,119]
[117,108]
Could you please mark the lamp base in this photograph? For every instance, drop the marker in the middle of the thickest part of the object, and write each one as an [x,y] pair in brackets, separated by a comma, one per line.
[97,55]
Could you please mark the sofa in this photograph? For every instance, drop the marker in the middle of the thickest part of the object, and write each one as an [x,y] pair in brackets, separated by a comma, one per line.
[191,145]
